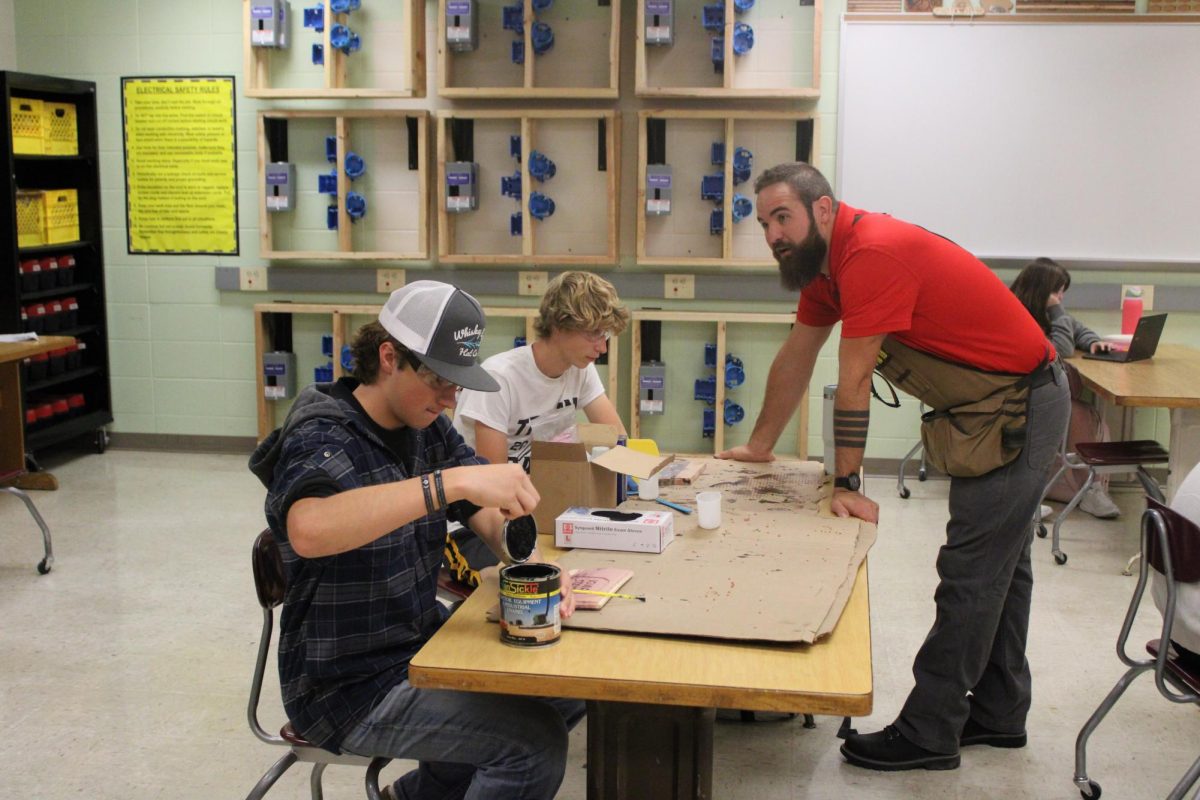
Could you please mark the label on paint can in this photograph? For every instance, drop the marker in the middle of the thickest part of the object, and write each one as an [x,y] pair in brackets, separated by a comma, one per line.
[529,605]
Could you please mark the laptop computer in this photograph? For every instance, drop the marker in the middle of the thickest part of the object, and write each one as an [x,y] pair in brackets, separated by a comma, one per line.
[1142,345]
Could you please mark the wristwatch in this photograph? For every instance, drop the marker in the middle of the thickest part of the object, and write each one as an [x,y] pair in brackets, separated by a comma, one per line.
[518,540]
[851,482]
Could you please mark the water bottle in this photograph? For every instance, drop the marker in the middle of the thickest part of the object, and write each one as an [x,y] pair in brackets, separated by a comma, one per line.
[1131,310]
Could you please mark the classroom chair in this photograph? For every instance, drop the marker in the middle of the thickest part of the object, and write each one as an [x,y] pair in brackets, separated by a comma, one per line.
[1101,458]
[922,471]
[270,582]
[1170,544]
[7,485]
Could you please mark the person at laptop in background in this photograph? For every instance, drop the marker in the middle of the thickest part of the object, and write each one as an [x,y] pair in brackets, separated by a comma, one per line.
[1040,287]
[543,386]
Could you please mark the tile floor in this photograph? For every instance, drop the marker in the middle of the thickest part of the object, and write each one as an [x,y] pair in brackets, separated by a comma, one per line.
[124,672]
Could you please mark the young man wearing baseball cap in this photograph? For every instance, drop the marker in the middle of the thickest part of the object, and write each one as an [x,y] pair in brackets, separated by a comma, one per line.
[361,480]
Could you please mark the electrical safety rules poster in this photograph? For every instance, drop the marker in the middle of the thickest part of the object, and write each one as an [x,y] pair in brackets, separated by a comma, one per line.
[180,165]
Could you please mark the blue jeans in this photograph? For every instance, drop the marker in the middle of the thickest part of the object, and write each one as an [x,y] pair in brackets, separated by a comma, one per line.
[468,744]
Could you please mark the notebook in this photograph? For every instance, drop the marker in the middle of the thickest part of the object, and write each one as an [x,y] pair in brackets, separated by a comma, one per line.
[1143,344]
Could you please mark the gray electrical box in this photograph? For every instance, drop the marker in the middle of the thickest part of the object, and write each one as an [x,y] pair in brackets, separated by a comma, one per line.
[268,23]
[652,387]
[280,186]
[658,189]
[462,25]
[279,375]
[660,22]
[462,186]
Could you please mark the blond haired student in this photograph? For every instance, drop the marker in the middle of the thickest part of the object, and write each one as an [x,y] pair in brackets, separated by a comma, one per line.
[543,386]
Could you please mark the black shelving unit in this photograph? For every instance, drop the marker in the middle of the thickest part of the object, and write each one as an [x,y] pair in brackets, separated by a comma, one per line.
[81,172]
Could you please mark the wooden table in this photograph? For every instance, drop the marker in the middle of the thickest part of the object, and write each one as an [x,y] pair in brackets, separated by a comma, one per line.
[12,420]
[651,699]
[12,424]
[1170,380]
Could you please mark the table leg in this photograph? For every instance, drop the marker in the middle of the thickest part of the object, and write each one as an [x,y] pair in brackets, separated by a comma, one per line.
[640,750]
[1185,446]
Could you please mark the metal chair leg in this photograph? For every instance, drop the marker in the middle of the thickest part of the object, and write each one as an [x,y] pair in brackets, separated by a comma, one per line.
[1060,557]
[1081,777]
[1186,782]
[372,780]
[268,779]
[901,489]
[47,562]
[314,781]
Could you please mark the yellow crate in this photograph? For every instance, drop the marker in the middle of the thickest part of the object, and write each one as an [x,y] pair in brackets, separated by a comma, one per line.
[60,135]
[60,215]
[27,124]
[30,229]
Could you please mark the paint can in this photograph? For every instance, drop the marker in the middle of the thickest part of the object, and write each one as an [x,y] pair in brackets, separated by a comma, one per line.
[529,605]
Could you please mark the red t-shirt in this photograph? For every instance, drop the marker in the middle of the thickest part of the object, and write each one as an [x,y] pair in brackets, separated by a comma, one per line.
[893,277]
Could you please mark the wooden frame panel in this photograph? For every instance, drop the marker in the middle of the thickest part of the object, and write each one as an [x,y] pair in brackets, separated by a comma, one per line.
[529,120]
[343,123]
[529,87]
[257,61]
[729,256]
[722,321]
[737,80]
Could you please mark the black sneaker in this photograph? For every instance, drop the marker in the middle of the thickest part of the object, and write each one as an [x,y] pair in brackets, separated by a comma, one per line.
[889,751]
[974,733]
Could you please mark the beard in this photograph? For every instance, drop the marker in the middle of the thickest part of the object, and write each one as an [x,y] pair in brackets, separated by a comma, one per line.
[802,262]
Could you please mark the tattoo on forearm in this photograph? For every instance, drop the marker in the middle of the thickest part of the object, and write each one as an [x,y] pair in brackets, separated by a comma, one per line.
[850,428]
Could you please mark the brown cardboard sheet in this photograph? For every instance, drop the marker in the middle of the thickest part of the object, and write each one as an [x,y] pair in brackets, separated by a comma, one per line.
[776,570]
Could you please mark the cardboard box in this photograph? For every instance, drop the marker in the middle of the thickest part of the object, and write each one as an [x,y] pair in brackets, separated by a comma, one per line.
[649,532]
[564,476]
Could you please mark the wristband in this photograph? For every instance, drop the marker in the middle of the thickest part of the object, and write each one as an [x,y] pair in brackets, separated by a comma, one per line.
[437,484]
[428,495]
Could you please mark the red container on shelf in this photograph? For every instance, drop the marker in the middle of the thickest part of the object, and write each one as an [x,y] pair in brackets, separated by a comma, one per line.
[74,360]
[61,407]
[76,404]
[70,308]
[39,366]
[30,271]
[45,412]
[66,270]
[49,275]
[37,317]
[54,316]
[58,361]
[31,418]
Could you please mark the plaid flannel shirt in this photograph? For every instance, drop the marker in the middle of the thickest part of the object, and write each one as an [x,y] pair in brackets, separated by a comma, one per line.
[351,622]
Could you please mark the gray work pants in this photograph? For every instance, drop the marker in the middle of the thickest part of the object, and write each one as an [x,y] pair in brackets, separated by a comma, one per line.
[977,643]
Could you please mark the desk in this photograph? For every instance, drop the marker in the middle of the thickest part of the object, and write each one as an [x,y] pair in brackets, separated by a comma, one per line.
[651,699]
[12,423]
[1169,380]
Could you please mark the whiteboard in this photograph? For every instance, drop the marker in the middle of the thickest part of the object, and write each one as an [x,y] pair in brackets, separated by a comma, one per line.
[1068,140]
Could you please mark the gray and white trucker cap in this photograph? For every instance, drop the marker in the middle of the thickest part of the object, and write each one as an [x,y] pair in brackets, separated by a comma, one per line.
[443,327]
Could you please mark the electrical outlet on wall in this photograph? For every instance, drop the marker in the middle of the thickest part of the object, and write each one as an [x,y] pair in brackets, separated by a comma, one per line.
[388,280]
[1147,294]
[679,287]
[532,284]
[252,279]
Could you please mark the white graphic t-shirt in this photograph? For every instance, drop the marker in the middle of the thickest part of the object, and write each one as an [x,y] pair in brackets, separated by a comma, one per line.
[529,406]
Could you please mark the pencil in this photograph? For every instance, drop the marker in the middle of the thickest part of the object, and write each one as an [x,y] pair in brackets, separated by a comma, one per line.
[611,594]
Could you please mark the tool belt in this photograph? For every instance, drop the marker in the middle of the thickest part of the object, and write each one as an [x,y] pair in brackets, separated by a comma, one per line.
[978,419]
